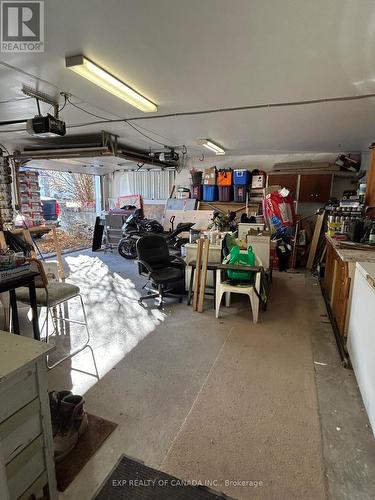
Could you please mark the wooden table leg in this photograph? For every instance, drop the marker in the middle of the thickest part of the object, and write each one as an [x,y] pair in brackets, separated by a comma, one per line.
[34,309]
[214,282]
[190,294]
[13,305]
[203,276]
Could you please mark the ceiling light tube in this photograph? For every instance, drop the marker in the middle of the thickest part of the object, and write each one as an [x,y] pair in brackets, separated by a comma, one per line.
[86,68]
[212,146]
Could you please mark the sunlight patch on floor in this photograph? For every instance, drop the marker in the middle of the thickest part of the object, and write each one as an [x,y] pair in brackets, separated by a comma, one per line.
[117,322]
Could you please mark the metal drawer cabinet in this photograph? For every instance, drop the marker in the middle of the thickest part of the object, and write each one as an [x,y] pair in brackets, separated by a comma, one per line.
[26,449]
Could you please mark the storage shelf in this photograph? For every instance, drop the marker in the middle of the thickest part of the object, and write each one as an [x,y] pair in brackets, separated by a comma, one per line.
[254,203]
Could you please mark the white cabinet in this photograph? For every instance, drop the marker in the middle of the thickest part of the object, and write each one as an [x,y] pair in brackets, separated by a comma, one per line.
[261,245]
[244,228]
[26,448]
[214,255]
[361,334]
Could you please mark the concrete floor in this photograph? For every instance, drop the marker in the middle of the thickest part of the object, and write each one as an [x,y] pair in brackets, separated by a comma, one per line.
[219,400]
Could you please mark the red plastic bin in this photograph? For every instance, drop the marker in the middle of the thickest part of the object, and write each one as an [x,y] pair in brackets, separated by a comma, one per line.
[196,191]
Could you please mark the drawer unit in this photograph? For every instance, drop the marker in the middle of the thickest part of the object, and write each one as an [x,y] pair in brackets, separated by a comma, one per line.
[17,392]
[25,468]
[19,430]
[26,447]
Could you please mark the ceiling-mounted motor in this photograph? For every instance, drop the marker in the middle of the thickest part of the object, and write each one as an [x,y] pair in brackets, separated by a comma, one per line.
[45,126]
[169,156]
[48,125]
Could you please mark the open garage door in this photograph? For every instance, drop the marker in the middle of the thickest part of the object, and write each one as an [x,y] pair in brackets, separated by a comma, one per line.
[85,175]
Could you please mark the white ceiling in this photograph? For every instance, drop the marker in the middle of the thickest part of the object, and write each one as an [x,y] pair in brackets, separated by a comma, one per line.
[91,165]
[189,55]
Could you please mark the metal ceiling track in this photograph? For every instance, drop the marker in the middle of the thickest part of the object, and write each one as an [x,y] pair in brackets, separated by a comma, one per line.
[105,145]
[41,96]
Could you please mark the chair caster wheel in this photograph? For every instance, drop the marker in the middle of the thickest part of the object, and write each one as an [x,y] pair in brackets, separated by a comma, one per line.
[140,302]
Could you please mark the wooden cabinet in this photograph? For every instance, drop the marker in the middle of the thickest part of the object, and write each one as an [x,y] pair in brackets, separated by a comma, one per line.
[290,181]
[336,287]
[329,272]
[315,188]
[340,295]
[370,188]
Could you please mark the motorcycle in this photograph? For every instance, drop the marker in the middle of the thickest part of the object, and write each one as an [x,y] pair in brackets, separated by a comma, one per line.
[137,226]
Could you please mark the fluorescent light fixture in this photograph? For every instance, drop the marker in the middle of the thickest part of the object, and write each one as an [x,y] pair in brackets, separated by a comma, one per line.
[212,146]
[86,68]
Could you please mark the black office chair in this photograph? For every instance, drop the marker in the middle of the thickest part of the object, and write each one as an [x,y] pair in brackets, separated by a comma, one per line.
[166,273]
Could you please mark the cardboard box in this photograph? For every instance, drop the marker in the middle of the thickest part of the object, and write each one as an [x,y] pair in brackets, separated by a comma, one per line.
[209,176]
[258,181]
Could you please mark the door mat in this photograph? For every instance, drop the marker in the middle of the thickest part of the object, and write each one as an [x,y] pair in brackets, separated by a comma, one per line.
[97,432]
[132,480]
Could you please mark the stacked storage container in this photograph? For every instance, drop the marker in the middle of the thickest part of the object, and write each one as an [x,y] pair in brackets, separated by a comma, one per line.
[224,181]
[210,192]
[6,210]
[258,182]
[30,203]
[196,184]
[241,180]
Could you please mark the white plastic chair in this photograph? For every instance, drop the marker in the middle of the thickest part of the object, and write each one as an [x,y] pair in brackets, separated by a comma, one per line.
[223,287]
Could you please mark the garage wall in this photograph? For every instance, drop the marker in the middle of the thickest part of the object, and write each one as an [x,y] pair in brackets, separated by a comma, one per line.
[251,162]
[265,163]
[150,184]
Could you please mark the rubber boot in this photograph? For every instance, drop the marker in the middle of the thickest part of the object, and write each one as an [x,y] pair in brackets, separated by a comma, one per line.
[55,398]
[73,425]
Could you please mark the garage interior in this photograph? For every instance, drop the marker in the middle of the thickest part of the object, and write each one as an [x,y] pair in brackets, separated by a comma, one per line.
[209,332]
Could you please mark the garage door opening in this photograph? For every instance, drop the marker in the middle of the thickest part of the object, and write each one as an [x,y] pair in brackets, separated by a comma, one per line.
[65,200]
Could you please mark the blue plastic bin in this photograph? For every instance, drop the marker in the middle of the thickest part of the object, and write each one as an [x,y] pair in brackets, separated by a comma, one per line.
[241,177]
[210,193]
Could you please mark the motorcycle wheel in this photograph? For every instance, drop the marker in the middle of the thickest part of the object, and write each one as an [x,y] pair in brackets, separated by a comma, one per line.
[127,248]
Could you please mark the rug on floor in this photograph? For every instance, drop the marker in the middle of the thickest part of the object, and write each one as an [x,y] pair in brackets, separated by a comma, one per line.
[132,480]
[97,432]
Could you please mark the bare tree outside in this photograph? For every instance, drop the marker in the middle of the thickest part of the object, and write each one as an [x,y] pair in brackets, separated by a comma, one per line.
[77,187]
[76,195]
